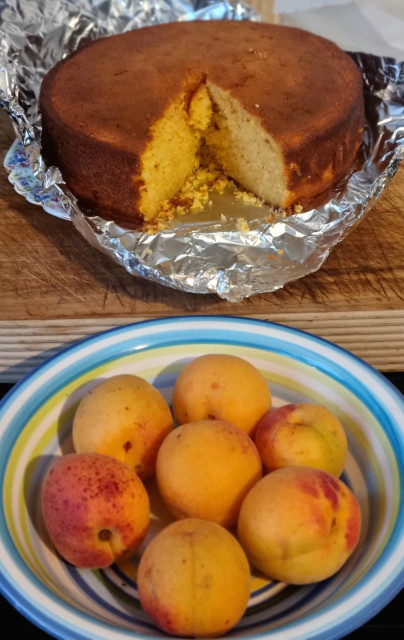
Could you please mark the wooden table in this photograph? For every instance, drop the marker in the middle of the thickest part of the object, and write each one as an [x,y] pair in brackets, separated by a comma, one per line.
[55,288]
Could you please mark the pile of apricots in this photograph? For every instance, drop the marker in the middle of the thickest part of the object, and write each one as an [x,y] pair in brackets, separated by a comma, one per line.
[247,486]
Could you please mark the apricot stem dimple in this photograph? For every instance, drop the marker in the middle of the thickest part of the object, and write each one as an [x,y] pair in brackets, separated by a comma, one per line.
[105,534]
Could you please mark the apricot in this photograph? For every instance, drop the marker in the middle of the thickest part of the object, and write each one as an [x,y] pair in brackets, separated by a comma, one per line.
[194,579]
[204,470]
[95,509]
[302,434]
[221,387]
[125,417]
[299,524]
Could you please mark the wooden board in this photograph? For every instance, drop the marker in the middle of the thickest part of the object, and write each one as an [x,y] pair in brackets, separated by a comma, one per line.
[56,288]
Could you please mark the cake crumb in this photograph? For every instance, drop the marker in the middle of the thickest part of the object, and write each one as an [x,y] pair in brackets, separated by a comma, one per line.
[248,198]
[298,208]
[242,225]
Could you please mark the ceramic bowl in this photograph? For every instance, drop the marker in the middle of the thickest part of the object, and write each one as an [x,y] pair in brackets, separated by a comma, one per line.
[35,426]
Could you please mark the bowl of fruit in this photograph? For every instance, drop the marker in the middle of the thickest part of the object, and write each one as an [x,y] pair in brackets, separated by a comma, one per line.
[201,476]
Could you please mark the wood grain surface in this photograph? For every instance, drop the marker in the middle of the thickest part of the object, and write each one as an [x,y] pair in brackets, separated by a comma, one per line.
[56,288]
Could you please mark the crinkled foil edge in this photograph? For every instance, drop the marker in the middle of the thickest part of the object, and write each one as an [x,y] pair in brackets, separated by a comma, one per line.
[216,257]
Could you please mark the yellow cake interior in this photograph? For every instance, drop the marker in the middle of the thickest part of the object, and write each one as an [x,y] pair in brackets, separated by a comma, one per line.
[209,127]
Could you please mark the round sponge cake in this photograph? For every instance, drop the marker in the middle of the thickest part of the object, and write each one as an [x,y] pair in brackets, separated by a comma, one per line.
[279,109]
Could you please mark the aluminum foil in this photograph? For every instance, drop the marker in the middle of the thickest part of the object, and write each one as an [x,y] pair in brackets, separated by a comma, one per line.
[209,252]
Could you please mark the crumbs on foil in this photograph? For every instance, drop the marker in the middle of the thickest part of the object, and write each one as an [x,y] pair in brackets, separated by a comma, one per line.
[196,195]
[225,241]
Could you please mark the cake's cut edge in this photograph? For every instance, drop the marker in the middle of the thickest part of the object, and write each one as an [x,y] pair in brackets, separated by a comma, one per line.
[244,150]
[171,155]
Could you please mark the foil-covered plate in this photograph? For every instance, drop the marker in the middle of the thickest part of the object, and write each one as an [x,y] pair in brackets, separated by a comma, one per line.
[211,252]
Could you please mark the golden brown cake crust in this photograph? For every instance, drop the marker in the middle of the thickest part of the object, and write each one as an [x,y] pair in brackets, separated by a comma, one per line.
[98,104]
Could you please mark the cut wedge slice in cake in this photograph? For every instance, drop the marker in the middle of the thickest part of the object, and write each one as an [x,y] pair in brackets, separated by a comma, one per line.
[211,130]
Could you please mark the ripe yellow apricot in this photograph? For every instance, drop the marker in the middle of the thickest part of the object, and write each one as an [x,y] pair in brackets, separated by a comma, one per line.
[299,524]
[124,417]
[302,434]
[221,387]
[204,469]
[96,510]
[194,579]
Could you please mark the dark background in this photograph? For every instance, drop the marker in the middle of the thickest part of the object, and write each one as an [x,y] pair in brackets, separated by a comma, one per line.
[388,624]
